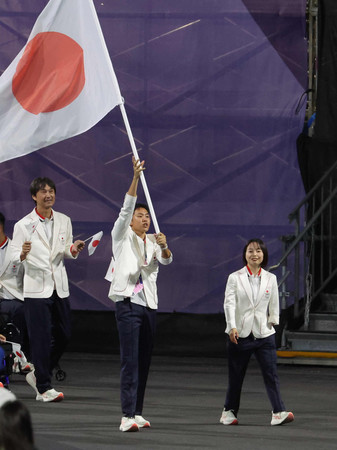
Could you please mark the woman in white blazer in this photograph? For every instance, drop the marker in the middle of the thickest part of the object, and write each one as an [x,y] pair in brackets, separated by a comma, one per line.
[252,308]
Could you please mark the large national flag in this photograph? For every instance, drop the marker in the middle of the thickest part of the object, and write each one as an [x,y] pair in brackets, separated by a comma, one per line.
[60,84]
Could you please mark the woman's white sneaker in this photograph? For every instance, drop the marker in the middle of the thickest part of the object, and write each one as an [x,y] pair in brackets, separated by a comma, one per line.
[128,424]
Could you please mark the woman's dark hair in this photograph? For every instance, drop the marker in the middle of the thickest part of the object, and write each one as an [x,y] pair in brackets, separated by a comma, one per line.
[16,430]
[40,183]
[262,246]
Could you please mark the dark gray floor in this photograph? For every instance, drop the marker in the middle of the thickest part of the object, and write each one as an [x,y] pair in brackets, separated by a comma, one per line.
[183,402]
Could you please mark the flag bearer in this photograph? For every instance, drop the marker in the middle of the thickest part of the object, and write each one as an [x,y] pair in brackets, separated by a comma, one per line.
[133,288]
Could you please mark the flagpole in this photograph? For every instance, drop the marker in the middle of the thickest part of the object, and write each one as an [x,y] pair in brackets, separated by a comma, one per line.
[142,177]
[10,342]
[85,240]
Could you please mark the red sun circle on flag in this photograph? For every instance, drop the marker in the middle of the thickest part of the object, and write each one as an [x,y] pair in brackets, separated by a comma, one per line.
[95,243]
[50,74]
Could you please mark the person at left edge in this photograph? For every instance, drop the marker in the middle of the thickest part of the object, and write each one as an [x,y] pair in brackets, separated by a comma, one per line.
[11,297]
[43,239]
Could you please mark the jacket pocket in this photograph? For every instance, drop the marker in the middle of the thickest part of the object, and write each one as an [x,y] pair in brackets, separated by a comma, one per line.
[265,327]
[241,324]
[120,284]
[64,278]
[34,282]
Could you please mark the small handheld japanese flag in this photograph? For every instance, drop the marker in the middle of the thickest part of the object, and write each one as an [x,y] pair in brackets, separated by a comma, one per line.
[94,242]
[31,227]
[18,352]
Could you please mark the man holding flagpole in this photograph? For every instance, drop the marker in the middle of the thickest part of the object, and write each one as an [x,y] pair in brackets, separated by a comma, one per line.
[42,239]
[134,290]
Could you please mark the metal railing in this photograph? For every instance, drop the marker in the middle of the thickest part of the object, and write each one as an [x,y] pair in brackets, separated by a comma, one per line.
[312,31]
[309,254]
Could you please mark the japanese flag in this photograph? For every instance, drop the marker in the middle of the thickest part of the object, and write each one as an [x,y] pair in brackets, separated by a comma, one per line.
[94,242]
[31,227]
[60,84]
[19,353]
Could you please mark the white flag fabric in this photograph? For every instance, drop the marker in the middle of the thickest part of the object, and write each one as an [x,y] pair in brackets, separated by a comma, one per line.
[16,348]
[94,242]
[60,84]
[19,353]
[31,227]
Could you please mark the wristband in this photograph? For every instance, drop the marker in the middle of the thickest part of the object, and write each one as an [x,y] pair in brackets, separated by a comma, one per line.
[164,248]
[73,251]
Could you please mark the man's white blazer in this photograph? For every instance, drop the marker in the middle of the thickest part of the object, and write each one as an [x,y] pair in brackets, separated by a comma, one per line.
[128,250]
[11,273]
[240,310]
[44,265]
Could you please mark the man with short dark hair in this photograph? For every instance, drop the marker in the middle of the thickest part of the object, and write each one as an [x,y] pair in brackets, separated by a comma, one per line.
[42,240]
[134,290]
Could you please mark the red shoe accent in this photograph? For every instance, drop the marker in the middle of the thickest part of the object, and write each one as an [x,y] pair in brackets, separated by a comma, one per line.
[289,418]
[59,398]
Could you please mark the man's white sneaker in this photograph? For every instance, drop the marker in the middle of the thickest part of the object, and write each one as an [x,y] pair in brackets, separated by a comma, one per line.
[281,417]
[128,424]
[50,396]
[228,418]
[31,380]
[141,422]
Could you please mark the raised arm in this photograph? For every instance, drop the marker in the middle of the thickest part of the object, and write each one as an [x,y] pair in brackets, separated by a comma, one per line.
[138,168]
[124,219]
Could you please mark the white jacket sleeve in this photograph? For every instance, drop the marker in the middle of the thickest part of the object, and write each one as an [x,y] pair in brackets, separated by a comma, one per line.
[69,241]
[230,302]
[163,261]
[124,219]
[19,237]
[274,304]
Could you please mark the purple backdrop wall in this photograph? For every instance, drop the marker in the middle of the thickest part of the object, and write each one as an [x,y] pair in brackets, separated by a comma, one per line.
[211,89]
